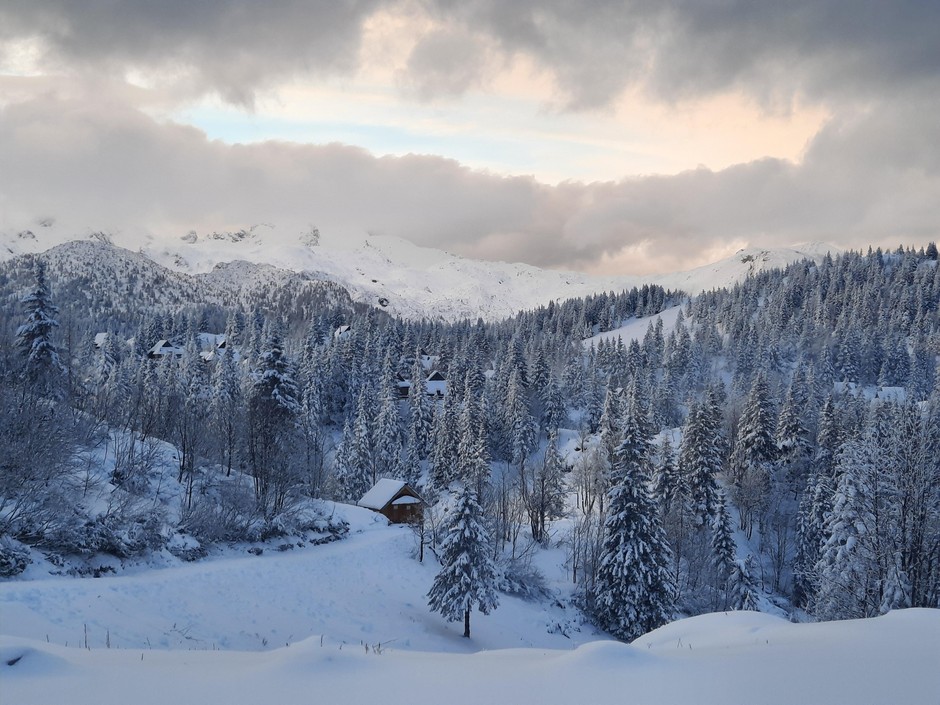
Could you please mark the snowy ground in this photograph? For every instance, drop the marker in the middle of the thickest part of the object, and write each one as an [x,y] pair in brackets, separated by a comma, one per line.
[720,658]
[365,589]
[304,624]
[635,328]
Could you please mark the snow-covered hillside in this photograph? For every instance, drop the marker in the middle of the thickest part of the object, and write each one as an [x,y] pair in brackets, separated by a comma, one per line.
[366,589]
[347,623]
[405,279]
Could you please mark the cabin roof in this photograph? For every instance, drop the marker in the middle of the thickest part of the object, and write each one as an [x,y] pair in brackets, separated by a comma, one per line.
[380,495]
[384,492]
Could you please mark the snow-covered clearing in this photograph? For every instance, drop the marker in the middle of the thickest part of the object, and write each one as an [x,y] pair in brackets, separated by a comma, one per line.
[720,658]
[304,624]
[635,328]
[368,589]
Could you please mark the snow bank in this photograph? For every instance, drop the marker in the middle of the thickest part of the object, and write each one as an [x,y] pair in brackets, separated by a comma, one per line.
[712,659]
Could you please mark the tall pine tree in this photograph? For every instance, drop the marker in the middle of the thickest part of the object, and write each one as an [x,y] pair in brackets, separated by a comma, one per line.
[634,590]
[467,578]
[42,369]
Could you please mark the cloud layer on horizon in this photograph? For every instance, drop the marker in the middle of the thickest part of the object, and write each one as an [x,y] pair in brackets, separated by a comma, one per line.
[111,166]
[77,142]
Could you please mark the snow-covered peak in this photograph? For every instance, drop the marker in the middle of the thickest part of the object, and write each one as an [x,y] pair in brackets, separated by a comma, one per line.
[403,278]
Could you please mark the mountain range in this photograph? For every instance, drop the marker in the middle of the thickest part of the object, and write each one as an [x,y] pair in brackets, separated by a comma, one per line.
[388,272]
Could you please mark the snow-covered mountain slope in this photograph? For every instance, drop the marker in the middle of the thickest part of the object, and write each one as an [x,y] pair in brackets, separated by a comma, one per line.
[111,285]
[635,328]
[406,280]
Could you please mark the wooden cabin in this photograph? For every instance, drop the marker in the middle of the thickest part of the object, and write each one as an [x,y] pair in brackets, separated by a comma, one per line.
[395,500]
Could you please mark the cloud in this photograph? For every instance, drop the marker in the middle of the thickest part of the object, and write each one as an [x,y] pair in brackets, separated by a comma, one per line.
[677,49]
[231,47]
[446,63]
[869,178]
[681,49]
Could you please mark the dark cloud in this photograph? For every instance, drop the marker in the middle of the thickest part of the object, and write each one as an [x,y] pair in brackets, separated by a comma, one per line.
[445,63]
[823,49]
[102,165]
[690,48]
[232,47]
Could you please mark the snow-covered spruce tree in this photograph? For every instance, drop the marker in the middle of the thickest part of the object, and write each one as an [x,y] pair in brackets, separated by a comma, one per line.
[846,573]
[611,419]
[915,447]
[634,590]
[793,439]
[190,395]
[313,436]
[37,441]
[667,483]
[467,578]
[387,439]
[472,462]
[273,405]
[816,503]
[545,499]
[699,463]
[422,412]
[442,468]
[42,370]
[754,453]
[553,407]
[349,470]
[743,590]
[225,409]
[519,422]
[672,495]
[723,554]
[106,359]
[363,430]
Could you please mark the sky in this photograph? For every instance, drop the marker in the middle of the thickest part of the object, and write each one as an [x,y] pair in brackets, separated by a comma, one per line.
[626,137]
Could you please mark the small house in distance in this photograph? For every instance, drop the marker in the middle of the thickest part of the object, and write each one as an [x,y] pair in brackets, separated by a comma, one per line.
[394,499]
[436,384]
[163,349]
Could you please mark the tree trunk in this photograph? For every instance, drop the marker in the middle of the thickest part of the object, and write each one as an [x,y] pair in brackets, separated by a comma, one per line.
[466,622]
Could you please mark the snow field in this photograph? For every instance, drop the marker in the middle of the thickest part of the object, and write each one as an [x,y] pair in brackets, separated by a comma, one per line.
[348,622]
[365,589]
[723,658]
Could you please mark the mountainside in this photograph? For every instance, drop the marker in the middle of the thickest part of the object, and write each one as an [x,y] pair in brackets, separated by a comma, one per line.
[98,280]
[404,279]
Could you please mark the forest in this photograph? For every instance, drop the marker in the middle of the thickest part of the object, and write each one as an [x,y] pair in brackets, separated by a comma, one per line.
[778,440]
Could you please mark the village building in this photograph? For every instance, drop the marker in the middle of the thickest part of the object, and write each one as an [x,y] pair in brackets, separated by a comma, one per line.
[395,500]
[163,349]
[434,386]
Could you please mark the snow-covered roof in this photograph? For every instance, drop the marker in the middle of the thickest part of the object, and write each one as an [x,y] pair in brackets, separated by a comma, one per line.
[381,494]
[407,500]
[211,340]
[163,348]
